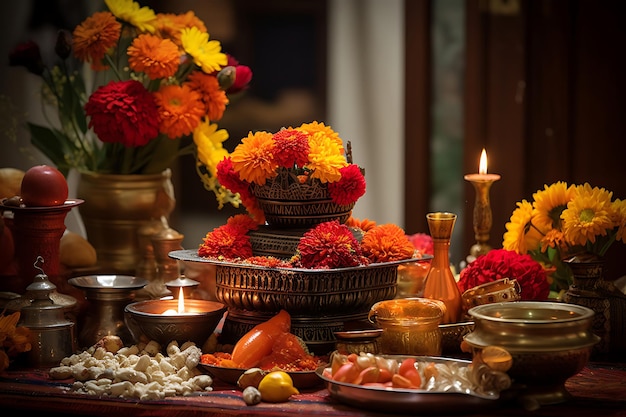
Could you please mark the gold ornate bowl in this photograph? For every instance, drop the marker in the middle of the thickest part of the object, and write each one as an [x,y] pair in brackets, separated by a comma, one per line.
[549,343]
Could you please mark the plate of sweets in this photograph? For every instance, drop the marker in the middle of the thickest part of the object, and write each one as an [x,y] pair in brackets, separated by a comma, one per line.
[412,384]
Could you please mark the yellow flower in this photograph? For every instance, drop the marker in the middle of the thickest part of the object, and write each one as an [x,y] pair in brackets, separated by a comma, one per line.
[520,234]
[143,18]
[253,158]
[207,54]
[326,158]
[587,215]
[549,203]
[209,141]
[565,220]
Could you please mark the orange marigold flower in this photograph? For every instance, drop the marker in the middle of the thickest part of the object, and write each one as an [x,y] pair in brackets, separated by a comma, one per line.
[291,148]
[387,243]
[95,36]
[350,187]
[180,109]
[158,58]
[226,241]
[213,97]
[365,224]
[170,25]
[253,158]
[329,245]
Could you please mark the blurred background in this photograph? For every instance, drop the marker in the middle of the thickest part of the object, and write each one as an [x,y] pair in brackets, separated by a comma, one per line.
[419,87]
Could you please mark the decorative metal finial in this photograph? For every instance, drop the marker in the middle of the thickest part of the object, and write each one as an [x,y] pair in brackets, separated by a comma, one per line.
[38,261]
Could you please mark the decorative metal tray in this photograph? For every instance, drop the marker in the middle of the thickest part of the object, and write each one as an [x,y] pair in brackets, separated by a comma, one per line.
[409,401]
[301,379]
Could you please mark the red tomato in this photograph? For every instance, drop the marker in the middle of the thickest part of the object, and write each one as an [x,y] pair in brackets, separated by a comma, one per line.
[43,186]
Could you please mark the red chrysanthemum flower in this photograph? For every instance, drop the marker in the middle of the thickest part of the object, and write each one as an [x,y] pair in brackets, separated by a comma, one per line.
[291,148]
[242,223]
[330,245]
[387,243]
[227,176]
[350,187]
[123,112]
[423,243]
[226,241]
[502,263]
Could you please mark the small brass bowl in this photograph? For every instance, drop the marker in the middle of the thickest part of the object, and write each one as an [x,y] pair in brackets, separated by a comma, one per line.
[146,321]
[549,342]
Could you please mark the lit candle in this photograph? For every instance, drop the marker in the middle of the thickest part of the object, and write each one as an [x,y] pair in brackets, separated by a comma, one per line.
[482,171]
[181,305]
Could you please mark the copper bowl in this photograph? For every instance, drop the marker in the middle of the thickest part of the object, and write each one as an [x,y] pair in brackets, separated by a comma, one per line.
[146,320]
[549,342]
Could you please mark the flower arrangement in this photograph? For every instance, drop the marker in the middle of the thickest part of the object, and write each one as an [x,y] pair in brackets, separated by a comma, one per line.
[312,152]
[14,339]
[501,263]
[563,221]
[326,245]
[153,81]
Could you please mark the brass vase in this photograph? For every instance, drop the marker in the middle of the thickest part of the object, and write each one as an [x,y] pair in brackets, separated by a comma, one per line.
[115,209]
[440,283]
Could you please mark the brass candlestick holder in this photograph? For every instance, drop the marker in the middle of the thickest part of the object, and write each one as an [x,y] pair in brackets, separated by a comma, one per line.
[482,218]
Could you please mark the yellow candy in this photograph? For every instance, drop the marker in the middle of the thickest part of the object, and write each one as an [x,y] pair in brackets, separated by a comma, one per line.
[277,387]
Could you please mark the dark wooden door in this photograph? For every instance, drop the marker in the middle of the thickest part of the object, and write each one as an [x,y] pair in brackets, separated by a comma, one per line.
[545,88]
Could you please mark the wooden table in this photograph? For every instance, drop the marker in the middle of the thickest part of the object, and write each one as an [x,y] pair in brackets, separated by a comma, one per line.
[598,390]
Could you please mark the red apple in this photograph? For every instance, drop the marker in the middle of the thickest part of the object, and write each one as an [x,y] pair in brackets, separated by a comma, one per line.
[43,186]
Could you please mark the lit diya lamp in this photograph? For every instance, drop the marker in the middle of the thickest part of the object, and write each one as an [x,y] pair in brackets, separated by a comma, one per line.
[178,319]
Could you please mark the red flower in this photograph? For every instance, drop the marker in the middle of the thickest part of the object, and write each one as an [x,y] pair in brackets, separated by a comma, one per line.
[226,241]
[243,75]
[330,245]
[350,187]
[28,55]
[502,263]
[423,243]
[291,148]
[124,112]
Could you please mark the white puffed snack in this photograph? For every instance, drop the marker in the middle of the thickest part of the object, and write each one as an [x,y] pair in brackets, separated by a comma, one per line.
[138,371]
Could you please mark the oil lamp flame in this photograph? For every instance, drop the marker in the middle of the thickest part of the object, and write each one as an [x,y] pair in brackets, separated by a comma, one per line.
[181,301]
[482,166]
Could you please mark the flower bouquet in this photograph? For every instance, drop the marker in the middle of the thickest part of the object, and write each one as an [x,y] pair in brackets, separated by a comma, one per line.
[296,177]
[563,221]
[130,89]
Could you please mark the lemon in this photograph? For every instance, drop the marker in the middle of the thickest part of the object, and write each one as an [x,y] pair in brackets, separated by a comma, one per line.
[277,387]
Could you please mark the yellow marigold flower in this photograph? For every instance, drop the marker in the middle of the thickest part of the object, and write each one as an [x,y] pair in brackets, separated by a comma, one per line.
[549,203]
[170,25]
[158,58]
[95,36]
[180,110]
[207,54]
[209,142]
[619,210]
[520,235]
[326,158]
[587,215]
[253,158]
[142,18]
[315,127]
[387,243]
[213,97]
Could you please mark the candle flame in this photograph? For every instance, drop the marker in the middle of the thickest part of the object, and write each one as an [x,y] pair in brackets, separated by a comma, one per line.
[181,301]
[482,166]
